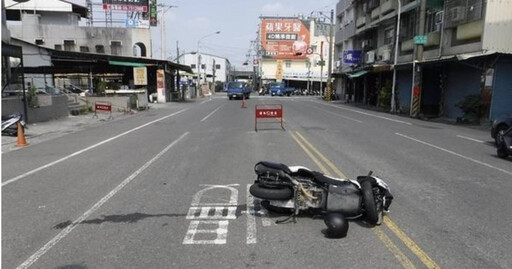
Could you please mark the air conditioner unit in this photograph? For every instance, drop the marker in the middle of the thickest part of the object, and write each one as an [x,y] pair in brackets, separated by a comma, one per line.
[439,17]
[457,13]
[365,44]
[386,55]
[370,57]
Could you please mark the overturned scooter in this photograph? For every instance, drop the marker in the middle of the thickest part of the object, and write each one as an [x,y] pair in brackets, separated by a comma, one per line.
[298,188]
[10,124]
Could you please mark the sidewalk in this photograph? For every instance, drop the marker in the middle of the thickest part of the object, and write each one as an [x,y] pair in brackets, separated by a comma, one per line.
[484,125]
[43,131]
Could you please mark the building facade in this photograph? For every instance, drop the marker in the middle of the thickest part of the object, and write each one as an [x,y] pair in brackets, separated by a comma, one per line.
[56,24]
[211,68]
[463,54]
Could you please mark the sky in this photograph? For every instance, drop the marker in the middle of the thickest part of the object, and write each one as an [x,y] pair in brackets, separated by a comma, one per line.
[237,21]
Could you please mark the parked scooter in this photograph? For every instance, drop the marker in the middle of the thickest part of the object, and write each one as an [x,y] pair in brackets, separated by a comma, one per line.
[298,188]
[262,91]
[10,124]
[504,147]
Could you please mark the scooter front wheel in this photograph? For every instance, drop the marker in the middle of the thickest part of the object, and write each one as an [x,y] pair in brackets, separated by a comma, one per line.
[371,214]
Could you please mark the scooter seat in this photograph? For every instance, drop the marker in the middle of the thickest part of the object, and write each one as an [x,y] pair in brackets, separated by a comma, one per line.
[328,180]
[271,168]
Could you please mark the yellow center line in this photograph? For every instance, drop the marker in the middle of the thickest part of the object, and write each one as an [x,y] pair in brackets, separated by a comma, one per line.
[393,248]
[329,163]
[315,160]
[410,244]
[402,258]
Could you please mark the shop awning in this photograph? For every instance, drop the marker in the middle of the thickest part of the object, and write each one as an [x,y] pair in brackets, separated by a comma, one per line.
[126,63]
[358,74]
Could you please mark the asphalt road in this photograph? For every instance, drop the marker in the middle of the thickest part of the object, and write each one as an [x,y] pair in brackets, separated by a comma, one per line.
[167,188]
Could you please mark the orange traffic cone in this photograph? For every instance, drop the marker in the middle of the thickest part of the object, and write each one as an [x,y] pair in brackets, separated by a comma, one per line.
[21,136]
[243,102]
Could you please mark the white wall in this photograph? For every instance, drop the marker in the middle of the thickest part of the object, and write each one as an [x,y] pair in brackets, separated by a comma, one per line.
[220,74]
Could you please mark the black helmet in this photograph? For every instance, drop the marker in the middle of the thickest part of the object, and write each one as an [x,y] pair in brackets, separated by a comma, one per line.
[337,225]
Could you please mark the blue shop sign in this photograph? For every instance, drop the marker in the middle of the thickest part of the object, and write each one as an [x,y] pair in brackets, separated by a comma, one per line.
[351,56]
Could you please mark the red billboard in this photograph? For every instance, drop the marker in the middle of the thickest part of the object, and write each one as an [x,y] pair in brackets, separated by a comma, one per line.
[284,38]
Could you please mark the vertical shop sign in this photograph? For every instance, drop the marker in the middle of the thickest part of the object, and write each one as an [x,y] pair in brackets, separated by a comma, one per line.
[152,13]
[160,85]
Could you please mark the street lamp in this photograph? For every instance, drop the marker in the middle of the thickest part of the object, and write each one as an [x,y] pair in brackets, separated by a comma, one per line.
[199,57]
[164,8]
[329,68]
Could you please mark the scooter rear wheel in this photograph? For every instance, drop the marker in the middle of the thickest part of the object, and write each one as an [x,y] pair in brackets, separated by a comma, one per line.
[270,194]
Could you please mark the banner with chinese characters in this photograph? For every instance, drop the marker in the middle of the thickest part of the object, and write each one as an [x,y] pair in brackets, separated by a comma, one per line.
[283,38]
[140,77]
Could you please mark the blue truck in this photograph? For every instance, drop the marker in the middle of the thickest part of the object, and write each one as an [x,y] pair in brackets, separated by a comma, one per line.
[238,89]
[279,88]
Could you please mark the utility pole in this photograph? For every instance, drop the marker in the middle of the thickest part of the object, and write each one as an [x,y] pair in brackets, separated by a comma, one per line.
[213,74]
[328,93]
[258,57]
[164,8]
[322,63]
[178,77]
[199,59]
[393,89]
[417,72]
[162,37]
[177,53]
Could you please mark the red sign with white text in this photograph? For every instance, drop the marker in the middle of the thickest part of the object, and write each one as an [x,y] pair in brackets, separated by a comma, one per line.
[274,111]
[269,113]
[103,107]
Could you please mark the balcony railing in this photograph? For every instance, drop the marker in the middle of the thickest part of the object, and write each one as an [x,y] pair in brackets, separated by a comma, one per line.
[376,13]
[433,39]
[407,45]
[361,21]
[387,6]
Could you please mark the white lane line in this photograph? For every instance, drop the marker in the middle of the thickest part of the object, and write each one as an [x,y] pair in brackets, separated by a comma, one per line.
[207,116]
[205,101]
[469,138]
[87,149]
[456,154]
[251,220]
[338,115]
[32,259]
[364,113]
